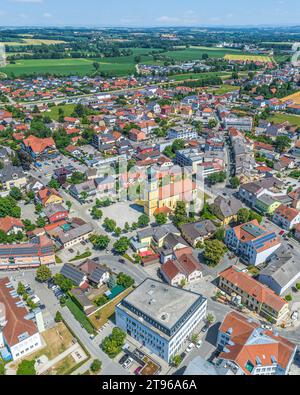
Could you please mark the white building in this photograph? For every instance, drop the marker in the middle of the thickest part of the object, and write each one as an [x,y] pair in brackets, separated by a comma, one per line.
[182,132]
[160,317]
[286,217]
[18,333]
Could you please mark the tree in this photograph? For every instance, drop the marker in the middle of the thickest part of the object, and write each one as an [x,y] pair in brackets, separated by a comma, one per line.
[220,234]
[96,213]
[125,280]
[96,66]
[54,184]
[180,214]
[234,182]
[109,225]
[43,274]
[243,215]
[253,215]
[9,208]
[21,289]
[96,366]
[100,242]
[195,338]
[112,345]
[212,123]
[69,204]
[58,317]
[126,227]
[288,298]
[282,143]
[2,369]
[210,319]
[64,283]
[121,246]
[161,219]
[15,193]
[40,223]
[118,232]
[214,250]
[298,286]
[216,178]
[143,221]
[176,361]
[38,208]
[26,368]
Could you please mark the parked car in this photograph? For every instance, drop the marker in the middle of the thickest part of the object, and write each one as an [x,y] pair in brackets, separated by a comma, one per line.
[204,329]
[199,344]
[123,359]
[190,348]
[127,364]
[122,261]
[71,251]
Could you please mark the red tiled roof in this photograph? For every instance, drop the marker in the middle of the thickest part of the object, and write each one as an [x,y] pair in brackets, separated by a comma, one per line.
[39,145]
[16,323]
[8,223]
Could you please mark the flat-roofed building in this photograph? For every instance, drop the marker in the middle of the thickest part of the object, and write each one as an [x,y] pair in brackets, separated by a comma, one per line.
[161,317]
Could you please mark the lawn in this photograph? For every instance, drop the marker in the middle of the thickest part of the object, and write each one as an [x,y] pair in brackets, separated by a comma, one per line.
[249,57]
[224,89]
[68,111]
[107,311]
[85,255]
[80,316]
[294,120]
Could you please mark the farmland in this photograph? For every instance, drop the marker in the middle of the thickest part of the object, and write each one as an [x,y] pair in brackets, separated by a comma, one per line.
[294,120]
[249,57]
[295,98]
[32,41]
[195,53]
[195,76]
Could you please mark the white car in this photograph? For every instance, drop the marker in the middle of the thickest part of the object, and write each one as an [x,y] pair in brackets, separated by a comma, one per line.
[127,364]
[190,347]
[199,344]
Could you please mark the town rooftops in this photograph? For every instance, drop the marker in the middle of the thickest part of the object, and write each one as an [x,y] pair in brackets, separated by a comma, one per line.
[8,223]
[73,274]
[74,233]
[287,213]
[17,326]
[39,246]
[37,144]
[53,209]
[251,346]
[199,229]
[253,288]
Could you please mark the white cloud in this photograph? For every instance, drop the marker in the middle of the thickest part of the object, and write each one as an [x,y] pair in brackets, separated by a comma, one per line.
[47,15]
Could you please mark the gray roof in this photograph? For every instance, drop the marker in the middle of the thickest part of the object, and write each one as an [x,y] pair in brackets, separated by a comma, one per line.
[87,186]
[53,209]
[72,273]
[266,199]
[228,206]
[158,232]
[283,267]
[161,302]
[75,233]
[11,172]
[200,367]
[199,229]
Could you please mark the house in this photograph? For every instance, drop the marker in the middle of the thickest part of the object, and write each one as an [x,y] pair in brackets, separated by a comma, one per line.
[73,235]
[12,176]
[282,271]
[47,196]
[83,191]
[198,232]
[75,275]
[40,148]
[6,116]
[226,209]
[251,191]
[251,242]
[137,135]
[184,270]
[11,225]
[97,274]
[19,335]
[257,297]
[55,212]
[171,244]
[39,251]
[182,132]
[266,204]
[285,217]
[87,305]
[251,350]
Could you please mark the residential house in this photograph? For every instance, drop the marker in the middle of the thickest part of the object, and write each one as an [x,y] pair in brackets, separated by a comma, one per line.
[252,243]
[83,191]
[226,209]
[73,235]
[47,196]
[40,148]
[74,274]
[11,225]
[12,176]
[198,232]
[286,217]
[266,204]
[255,296]
[282,271]
[55,212]
[97,274]
[251,350]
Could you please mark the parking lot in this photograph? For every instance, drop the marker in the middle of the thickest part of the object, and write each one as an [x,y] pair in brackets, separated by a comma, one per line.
[123,212]
[47,168]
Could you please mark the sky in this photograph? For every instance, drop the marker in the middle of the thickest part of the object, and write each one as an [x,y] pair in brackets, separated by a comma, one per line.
[148,13]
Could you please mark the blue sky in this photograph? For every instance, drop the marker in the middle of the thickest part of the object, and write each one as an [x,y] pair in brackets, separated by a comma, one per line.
[148,12]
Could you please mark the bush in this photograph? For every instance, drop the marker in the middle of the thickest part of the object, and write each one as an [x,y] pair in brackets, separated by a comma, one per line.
[96,366]
[288,298]
[26,368]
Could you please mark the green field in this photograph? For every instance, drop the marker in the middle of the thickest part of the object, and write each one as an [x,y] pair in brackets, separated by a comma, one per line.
[224,89]
[118,66]
[68,111]
[279,118]
[196,76]
[195,53]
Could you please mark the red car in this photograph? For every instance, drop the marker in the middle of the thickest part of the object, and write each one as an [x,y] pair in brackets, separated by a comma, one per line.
[282,233]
